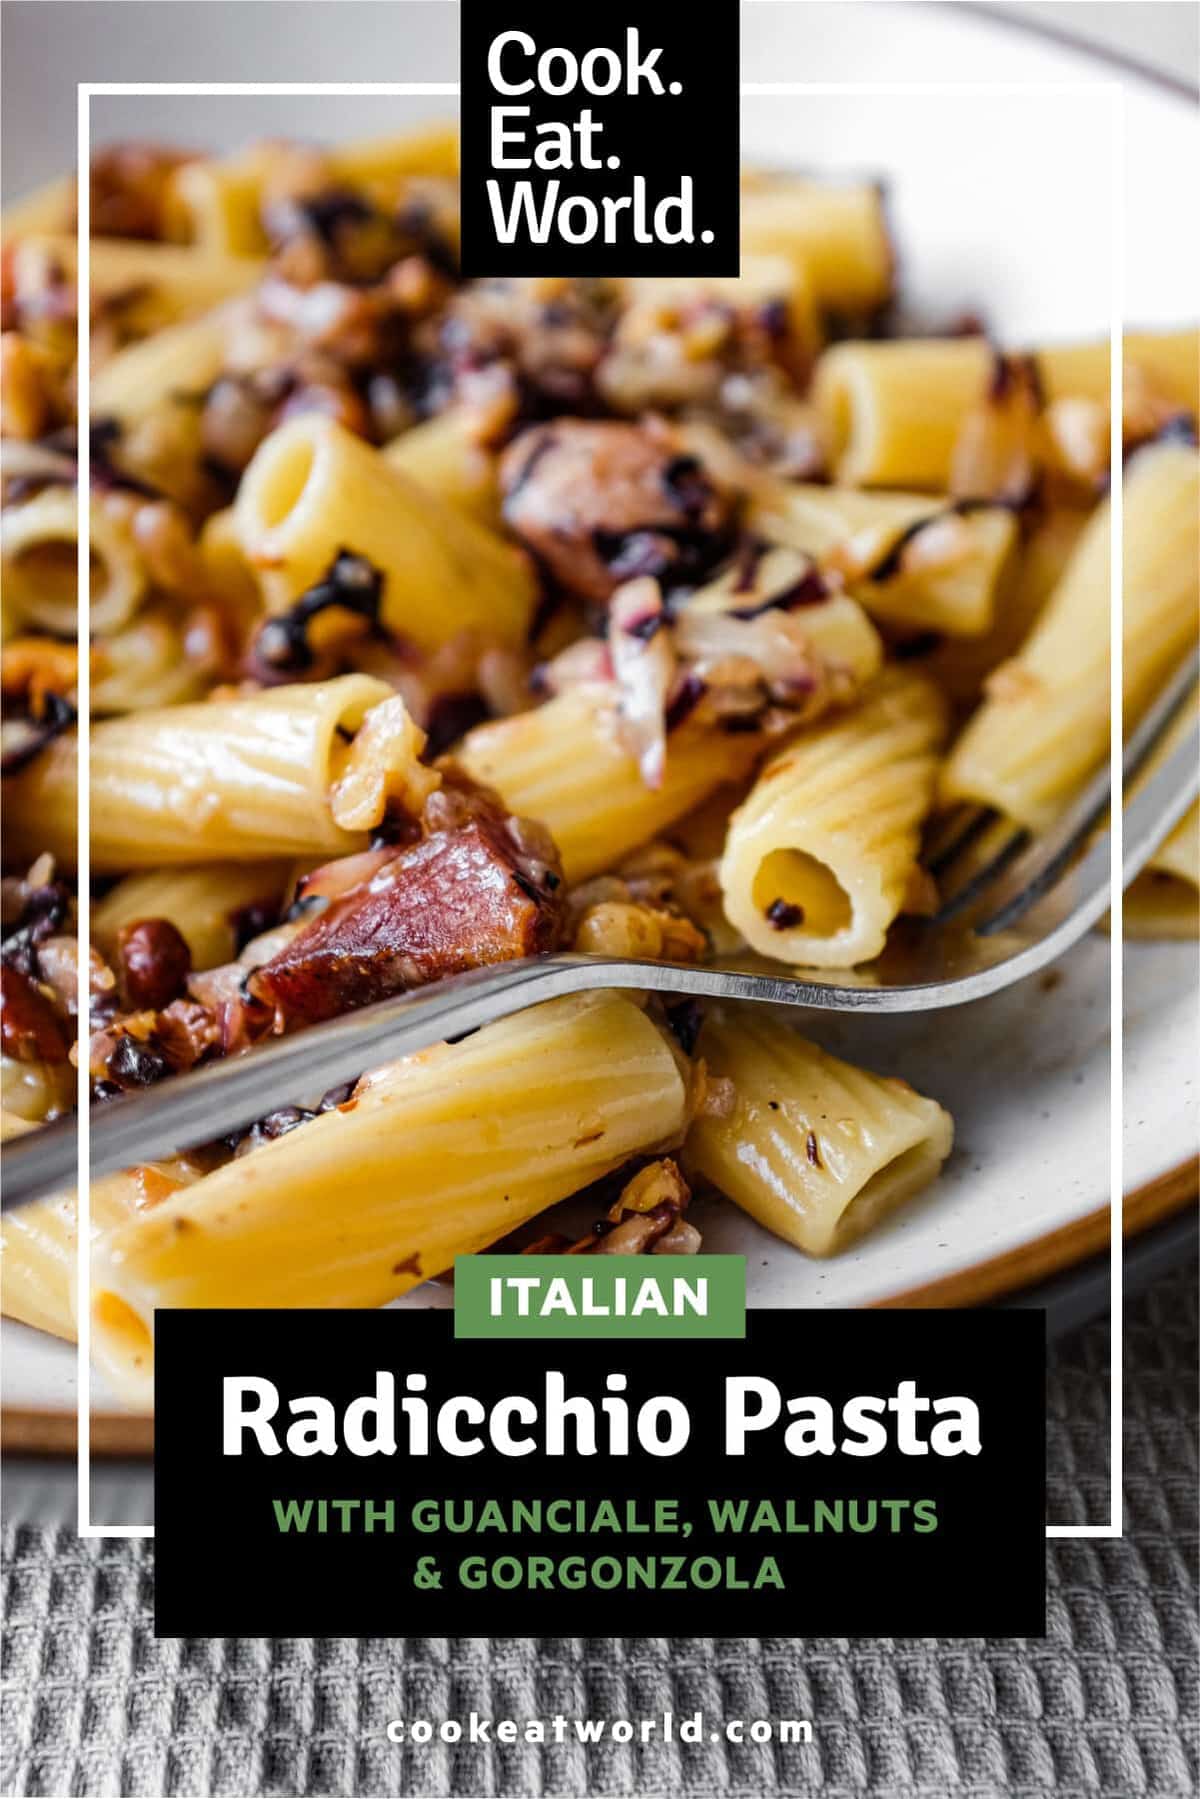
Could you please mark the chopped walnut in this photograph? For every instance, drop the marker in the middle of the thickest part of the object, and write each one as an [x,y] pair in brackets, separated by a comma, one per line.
[382,769]
[646,1219]
[131,189]
[639,932]
[659,1184]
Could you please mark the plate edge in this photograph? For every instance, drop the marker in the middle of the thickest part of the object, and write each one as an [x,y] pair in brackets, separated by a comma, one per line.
[29,1430]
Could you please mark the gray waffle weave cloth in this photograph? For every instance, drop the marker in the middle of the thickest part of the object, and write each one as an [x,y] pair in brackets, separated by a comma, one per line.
[1105,1704]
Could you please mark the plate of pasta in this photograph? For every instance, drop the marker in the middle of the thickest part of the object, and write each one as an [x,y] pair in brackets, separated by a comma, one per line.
[436,624]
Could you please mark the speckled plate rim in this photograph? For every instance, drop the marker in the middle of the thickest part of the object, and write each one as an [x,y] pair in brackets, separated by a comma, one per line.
[34,1430]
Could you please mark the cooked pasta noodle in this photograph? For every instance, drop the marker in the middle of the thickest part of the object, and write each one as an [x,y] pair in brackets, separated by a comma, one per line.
[1043,726]
[837,235]
[1164,900]
[38,1242]
[384,164]
[434,1157]
[162,373]
[444,456]
[148,286]
[244,778]
[216,205]
[820,855]
[145,665]
[1168,360]
[39,540]
[895,410]
[566,765]
[313,490]
[907,559]
[814,1149]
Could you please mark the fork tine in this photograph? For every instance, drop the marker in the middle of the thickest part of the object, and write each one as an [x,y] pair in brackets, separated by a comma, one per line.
[1050,856]
[1047,859]
[954,836]
[985,873]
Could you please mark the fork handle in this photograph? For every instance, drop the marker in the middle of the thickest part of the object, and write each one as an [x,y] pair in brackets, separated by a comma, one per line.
[228,1095]
[225,1096]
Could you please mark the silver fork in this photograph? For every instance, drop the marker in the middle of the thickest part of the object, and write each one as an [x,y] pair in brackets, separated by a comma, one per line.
[1022,909]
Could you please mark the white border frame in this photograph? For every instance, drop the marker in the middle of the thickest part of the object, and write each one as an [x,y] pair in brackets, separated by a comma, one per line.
[86,91]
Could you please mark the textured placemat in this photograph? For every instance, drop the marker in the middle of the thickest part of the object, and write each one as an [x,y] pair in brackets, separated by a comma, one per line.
[1105,1705]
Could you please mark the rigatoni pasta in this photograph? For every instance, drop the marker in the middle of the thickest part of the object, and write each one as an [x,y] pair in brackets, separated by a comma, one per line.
[444,455]
[907,559]
[1043,726]
[820,856]
[433,1157]
[836,233]
[894,410]
[162,373]
[817,1151]
[39,539]
[314,490]
[285,772]
[147,286]
[566,764]
[1164,900]
[38,1243]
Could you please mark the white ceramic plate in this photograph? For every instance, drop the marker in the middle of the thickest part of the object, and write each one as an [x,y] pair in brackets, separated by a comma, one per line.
[1000,202]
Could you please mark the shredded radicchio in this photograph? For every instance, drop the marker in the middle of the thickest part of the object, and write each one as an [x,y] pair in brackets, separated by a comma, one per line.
[673,554]
[684,1020]
[1180,428]
[1012,371]
[644,665]
[683,702]
[350,583]
[45,913]
[889,564]
[25,736]
[325,214]
[811,589]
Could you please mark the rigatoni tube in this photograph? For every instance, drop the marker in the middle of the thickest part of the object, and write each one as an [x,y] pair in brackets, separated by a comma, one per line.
[161,373]
[836,233]
[38,1242]
[39,541]
[893,411]
[443,454]
[435,1156]
[313,490]
[566,765]
[148,285]
[1043,727]
[906,558]
[816,1150]
[1164,901]
[277,773]
[820,854]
